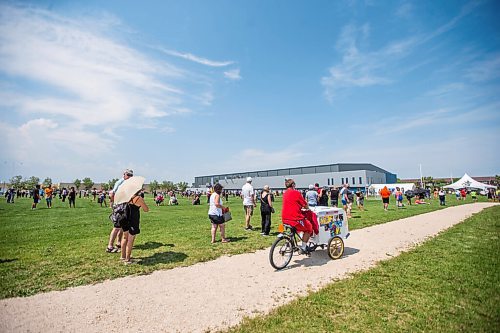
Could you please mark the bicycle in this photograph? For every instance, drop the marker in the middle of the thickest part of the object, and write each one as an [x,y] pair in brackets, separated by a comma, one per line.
[286,244]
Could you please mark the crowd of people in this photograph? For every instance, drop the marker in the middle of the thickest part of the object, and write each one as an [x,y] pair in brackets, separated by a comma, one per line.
[295,203]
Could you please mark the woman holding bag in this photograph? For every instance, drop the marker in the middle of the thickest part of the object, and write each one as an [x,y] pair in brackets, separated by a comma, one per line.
[266,208]
[215,214]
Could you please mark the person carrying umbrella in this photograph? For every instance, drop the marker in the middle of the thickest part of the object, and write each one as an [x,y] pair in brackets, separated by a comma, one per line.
[129,192]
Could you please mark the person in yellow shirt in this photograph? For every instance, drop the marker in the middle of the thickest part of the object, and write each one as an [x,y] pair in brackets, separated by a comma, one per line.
[48,195]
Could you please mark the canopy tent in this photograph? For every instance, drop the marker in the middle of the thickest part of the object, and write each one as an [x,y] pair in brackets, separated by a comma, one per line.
[374,189]
[467,182]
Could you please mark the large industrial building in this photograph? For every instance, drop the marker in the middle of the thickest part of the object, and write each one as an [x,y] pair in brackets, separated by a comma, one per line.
[357,175]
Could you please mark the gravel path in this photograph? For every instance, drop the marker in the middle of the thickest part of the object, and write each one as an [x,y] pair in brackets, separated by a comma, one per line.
[219,293]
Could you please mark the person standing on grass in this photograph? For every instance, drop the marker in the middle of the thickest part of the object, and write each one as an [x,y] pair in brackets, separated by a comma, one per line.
[385,194]
[131,227]
[323,197]
[49,193]
[266,208]
[463,194]
[334,196]
[360,200]
[473,195]
[117,231]
[36,196]
[215,214]
[442,197]
[72,197]
[312,196]
[248,196]
[399,197]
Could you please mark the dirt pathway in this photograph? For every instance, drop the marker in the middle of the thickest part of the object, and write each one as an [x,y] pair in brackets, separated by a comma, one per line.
[219,293]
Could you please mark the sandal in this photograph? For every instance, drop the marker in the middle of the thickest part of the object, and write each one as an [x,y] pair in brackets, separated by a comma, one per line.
[225,240]
[111,250]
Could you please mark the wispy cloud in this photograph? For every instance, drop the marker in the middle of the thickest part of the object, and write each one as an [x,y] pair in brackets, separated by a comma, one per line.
[485,69]
[359,68]
[78,81]
[405,10]
[233,74]
[199,60]
[446,89]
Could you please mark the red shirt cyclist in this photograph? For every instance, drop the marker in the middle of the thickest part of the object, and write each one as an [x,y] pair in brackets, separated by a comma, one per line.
[292,214]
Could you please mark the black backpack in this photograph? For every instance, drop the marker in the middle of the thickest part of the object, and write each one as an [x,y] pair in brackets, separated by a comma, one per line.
[120,213]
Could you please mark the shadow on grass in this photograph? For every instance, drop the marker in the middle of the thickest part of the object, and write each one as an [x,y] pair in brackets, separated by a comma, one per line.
[151,245]
[236,239]
[163,258]
[2,261]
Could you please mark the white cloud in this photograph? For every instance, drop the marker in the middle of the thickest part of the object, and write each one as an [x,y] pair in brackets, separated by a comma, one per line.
[364,69]
[69,85]
[233,74]
[199,60]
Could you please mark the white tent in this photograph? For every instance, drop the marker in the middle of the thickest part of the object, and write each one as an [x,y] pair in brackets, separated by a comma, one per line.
[467,182]
[374,189]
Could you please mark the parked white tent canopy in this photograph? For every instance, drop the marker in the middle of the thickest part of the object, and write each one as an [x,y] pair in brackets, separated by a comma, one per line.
[467,182]
[374,189]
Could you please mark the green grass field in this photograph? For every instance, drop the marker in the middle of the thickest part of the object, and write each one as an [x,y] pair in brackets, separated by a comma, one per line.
[449,284]
[53,249]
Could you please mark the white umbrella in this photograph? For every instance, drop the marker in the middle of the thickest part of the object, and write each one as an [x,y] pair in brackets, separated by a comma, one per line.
[128,188]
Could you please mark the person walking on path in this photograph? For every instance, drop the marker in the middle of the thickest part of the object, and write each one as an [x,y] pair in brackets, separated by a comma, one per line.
[131,227]
[117,231]
[248,195]
[266,209]
[385,194]
[215,214]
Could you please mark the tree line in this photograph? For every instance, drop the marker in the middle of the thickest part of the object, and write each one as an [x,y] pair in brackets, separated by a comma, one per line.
[18,183]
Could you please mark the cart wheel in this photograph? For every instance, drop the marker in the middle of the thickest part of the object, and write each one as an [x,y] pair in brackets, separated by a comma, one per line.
[335,247]
[281,253]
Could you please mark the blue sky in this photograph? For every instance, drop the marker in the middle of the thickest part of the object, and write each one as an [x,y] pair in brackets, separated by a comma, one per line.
[178,89]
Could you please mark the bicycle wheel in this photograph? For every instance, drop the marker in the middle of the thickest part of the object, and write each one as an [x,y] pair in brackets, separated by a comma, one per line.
[335,247]
[281,253]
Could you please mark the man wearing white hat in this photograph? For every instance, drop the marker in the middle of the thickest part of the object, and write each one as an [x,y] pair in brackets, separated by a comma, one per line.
[248,195]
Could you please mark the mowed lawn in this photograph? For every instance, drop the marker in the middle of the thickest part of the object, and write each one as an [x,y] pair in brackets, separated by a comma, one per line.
[449,284]
[53,249]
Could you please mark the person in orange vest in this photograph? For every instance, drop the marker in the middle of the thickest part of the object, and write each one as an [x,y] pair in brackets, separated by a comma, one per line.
[385,194]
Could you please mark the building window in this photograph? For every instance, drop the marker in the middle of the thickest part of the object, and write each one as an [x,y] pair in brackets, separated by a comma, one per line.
[333,182]
[343,181]
[353,181]
[360,180]
[328,181]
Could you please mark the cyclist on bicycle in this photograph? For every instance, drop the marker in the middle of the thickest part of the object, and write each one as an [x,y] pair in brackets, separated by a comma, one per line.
[291,214]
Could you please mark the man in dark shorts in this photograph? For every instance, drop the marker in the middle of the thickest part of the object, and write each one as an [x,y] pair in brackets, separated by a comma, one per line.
[292,215]
[334,196]
[36,196]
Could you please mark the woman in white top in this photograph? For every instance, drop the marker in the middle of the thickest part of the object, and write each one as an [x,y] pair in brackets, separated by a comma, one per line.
[215,214]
